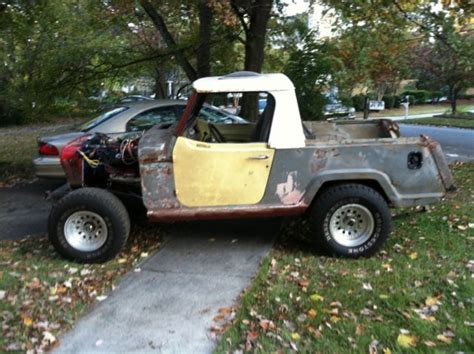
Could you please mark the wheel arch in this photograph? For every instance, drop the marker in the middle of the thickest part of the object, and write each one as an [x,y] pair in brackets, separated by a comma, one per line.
[377,181]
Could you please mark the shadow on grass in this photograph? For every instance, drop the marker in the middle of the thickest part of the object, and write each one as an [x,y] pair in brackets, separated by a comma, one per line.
[295,236]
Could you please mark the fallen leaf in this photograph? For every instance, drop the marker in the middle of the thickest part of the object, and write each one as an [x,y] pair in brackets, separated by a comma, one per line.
[266,325]
[101,297]
[314,331]
[295,336]
[367,286]
[72,270]
[373,347]
[444,339]
[431,300]
[316,297]
[217,329]
[3,294]
[48,337]
[303,283]
[225,311]
[386,351]
[406,340]
[413,255]
[360,330]
[429,343]
[312,313]
[27,321]
[462,227]
[252,336]
[35,284]
[387,267]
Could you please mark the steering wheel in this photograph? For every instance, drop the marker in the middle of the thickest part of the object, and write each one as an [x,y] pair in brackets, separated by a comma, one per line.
[216,134]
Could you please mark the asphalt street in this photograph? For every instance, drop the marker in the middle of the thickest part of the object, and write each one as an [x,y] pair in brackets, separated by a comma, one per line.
[24,212]
[457,144]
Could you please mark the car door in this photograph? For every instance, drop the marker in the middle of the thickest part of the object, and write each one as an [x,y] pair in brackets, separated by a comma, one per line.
[216,174]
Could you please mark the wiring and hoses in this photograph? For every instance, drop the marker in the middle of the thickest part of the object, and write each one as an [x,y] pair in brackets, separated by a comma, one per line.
[90,162]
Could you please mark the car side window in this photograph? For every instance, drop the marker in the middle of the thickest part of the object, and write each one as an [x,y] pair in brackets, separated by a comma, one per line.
[150,118]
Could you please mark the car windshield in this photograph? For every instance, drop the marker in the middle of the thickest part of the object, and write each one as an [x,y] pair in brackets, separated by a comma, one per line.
[215,115]
[102,118]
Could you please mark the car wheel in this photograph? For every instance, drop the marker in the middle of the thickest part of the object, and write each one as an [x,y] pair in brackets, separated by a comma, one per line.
[350,220]
[89,225]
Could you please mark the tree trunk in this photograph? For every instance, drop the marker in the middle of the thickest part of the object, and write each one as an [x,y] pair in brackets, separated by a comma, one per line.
[366,107]
[160,25]
[160,83]
[203,53]
[255,35]
[453,96]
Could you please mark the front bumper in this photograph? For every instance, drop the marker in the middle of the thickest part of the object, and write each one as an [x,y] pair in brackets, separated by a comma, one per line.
[48,167]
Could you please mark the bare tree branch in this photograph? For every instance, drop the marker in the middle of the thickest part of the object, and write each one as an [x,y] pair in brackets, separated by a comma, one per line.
[160,25]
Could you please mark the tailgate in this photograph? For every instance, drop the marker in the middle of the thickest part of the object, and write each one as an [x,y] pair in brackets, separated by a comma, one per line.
[440,160]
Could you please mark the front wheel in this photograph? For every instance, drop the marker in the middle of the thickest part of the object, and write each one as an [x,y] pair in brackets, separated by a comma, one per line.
[89,225]
[350,220]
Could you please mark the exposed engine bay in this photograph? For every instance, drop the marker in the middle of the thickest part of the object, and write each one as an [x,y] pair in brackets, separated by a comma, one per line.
[108,161]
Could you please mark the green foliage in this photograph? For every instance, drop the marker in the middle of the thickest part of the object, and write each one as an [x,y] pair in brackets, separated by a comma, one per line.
[56,54]
[310,69]
[389,101]
[358,102]
[419,96]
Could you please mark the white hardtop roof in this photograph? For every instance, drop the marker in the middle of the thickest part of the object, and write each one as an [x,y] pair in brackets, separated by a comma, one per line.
[244,81]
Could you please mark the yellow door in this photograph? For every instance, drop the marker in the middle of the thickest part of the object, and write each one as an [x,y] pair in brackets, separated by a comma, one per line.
[220,174]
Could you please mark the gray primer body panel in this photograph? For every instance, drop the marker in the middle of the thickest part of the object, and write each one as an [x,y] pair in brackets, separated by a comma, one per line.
[298,174]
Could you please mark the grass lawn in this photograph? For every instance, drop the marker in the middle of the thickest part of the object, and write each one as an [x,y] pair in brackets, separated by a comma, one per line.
[444,122]
[18,147]
[41,295]
[416,295]
[463,105]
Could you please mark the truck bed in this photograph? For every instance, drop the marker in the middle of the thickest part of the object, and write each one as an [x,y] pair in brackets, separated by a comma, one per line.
[351,130]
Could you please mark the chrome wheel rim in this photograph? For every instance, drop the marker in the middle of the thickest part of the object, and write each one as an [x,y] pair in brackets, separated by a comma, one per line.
[85,231]
[351,225]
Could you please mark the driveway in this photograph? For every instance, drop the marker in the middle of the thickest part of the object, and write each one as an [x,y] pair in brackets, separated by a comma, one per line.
[168,305]
[23,209]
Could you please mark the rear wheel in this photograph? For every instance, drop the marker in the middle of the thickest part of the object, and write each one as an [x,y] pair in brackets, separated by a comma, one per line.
[350,220]
[89,225]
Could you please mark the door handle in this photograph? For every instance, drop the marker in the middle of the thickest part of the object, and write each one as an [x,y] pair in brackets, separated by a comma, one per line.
[259,157]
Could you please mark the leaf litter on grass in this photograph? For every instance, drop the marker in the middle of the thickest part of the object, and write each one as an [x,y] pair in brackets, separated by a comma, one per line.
[43,295]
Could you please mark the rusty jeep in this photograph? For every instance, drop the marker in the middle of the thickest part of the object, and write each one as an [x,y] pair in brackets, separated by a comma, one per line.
[342,176]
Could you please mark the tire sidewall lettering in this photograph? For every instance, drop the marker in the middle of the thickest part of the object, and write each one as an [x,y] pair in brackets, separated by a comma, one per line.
[371,242]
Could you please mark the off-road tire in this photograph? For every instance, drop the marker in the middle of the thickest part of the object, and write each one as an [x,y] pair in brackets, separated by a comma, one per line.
[98,201]
[335,197]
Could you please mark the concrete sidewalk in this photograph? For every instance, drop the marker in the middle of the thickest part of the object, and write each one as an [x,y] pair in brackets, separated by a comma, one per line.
[169,305]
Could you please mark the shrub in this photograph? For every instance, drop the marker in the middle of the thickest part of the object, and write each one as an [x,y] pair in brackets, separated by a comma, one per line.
[389,101]
[417,96]
[358,102]
[397,101]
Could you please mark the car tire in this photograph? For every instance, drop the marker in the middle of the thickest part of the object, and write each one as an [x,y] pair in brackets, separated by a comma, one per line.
[89,225]
[350,220]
